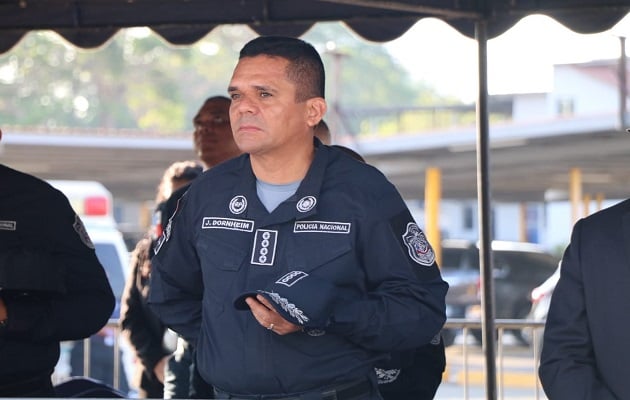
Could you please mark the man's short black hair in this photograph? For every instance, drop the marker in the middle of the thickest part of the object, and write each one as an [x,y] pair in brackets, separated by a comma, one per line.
[305,69]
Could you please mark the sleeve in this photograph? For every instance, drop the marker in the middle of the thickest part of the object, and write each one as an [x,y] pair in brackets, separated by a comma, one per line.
[87,296]
[139,324]
[405,303]
[568,368]
[176,286]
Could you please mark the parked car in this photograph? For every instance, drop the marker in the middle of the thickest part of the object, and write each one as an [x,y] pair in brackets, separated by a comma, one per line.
[541,298]
[517,269]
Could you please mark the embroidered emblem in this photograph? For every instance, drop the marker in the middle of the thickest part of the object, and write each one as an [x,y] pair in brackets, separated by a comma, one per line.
[291,278]
[8,225]
[289,307]
[306,204]
[79,228]
[436,340]
[386,375]
[315,332]
[418,246]
[227,223]
[238,204]
[264,251]
[321,227]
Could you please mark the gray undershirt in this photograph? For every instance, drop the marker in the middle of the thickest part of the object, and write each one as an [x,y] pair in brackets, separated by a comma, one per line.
[272,195]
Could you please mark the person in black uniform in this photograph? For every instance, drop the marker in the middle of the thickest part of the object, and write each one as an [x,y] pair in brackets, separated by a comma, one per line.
[406,375]
[293,268]
[585,352]
[52,286]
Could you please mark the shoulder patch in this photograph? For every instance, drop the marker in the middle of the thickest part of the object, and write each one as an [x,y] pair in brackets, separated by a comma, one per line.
[79,228]
[418,246]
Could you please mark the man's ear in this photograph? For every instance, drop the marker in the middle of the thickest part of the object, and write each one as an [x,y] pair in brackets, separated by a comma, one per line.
[315,109]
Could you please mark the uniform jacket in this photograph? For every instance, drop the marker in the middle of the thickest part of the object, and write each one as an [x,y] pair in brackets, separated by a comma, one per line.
[50,279]
[585,350]
[345,224]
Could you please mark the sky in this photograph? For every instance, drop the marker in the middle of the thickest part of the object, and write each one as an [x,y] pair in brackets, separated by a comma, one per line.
[519,61]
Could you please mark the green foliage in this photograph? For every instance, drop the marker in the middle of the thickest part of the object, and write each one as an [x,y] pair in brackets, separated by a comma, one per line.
[138,81]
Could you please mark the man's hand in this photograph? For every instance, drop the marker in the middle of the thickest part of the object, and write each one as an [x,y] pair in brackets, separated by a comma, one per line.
[268,317]
[4,314]
[158,370]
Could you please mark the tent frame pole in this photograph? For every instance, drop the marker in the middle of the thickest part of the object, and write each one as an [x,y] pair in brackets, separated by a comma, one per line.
[484,208]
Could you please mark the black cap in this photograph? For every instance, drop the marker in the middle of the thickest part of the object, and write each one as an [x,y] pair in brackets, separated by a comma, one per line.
[301,298]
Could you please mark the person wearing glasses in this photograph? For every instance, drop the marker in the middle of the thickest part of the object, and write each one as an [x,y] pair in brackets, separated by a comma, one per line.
[213,144]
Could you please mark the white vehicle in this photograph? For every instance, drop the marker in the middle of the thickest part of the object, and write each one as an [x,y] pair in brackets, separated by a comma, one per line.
[93,202]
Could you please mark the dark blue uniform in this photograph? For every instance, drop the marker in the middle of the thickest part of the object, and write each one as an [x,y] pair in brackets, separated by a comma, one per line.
[52,284]
[345,224]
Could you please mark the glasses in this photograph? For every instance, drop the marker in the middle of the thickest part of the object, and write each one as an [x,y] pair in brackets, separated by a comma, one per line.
[215,120]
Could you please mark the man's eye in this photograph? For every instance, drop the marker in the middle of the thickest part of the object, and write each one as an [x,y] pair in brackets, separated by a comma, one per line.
[265,94]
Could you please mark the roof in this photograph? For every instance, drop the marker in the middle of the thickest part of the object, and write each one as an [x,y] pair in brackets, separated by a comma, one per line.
[90,23]
[605,71]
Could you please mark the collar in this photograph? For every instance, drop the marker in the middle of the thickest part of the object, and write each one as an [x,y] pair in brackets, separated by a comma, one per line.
[301,205]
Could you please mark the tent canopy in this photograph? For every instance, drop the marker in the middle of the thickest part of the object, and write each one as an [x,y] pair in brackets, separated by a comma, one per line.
[90,23]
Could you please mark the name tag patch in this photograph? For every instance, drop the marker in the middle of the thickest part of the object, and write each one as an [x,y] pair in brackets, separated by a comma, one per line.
[8,225]
[264,251]
[227,223]
[321,227]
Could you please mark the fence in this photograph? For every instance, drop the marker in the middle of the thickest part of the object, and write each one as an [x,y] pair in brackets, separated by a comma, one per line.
[465,359]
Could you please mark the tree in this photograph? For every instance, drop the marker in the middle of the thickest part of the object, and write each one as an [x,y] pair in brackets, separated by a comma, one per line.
[138,81]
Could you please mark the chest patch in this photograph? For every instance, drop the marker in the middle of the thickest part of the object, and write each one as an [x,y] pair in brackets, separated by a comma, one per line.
[321,227]
[8,225]
[238,204]
[306,204]
[418,246]
[227,223]
[264,251]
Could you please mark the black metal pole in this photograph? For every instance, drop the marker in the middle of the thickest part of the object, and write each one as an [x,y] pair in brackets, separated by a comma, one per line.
[483,200]
[623,88]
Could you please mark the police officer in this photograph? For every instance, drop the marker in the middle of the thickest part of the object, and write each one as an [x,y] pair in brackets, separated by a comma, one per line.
[319,248]
[52,286]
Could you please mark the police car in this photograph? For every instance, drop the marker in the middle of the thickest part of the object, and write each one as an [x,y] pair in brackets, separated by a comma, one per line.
[93,202]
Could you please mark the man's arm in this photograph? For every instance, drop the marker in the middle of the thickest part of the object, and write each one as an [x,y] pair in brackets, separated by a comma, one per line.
[405,303]
[176,284]
[86,302]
